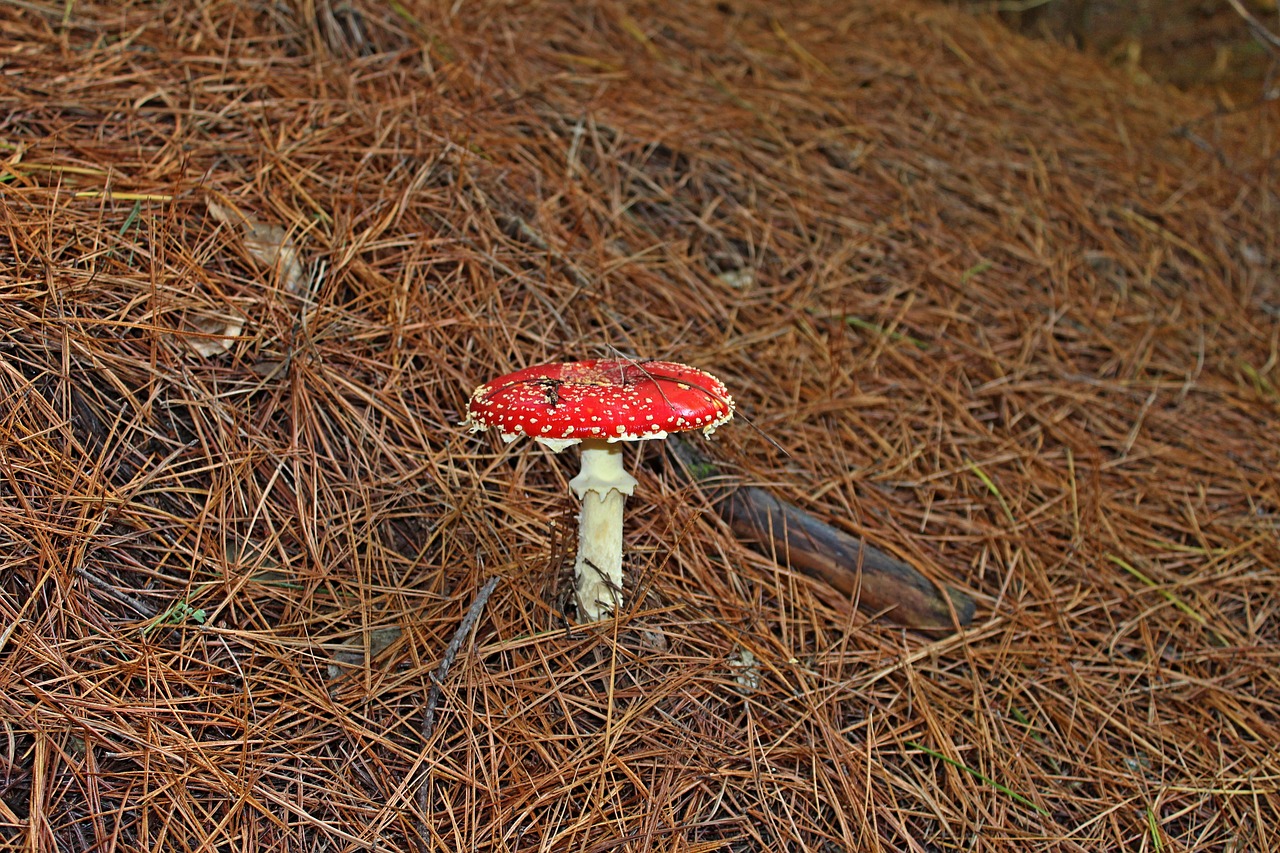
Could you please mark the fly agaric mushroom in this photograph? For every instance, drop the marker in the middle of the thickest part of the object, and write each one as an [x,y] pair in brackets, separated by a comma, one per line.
[600,403]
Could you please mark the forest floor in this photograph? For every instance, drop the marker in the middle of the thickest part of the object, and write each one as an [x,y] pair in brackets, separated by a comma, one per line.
[1000,309]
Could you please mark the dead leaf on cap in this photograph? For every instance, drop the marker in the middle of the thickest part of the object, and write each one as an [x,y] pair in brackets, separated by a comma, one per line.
[269,245]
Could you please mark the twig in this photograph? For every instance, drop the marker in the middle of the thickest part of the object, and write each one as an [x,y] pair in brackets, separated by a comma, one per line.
[1268,39]
[141,607]
[433,695]
[442,672]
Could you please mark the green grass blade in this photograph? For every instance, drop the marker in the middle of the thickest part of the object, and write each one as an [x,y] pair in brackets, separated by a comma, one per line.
[1169,596]
[1008,792]
[991,487]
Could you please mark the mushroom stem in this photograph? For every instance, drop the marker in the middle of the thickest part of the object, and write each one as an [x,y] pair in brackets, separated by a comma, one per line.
[602,485]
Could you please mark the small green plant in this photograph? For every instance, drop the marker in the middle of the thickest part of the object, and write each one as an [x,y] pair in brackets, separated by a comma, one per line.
[179,613]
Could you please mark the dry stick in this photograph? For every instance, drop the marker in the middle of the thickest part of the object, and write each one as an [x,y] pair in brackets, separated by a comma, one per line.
[1260,32]
[442,672]
[141,607]
[855,569]
[433,695]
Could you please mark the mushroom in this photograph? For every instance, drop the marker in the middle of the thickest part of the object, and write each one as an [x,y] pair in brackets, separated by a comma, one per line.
[600,403]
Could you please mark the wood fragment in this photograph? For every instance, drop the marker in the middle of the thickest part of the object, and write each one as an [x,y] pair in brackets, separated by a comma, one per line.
[860,572]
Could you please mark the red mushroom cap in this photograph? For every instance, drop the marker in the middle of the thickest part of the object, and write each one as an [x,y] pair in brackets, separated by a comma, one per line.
[611,399]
